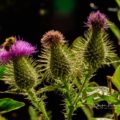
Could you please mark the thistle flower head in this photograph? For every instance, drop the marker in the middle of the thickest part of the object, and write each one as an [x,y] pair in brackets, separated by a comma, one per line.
[52,37]
[13,47]
[22,48]
[98,20]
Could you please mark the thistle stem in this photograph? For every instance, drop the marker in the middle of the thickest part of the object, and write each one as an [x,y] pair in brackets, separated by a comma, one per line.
[110,91]
[38,104]
[81,89]
[70,108]
[87,112]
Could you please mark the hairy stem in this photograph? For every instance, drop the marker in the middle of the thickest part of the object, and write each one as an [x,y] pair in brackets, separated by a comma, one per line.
[69,106]
[38,104]
[81,89]
[85,109]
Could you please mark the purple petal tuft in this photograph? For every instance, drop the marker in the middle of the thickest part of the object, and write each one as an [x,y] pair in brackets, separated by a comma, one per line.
[97,19]
[22,48]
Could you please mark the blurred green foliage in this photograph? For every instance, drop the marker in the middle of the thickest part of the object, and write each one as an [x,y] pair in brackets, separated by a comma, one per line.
[64,6]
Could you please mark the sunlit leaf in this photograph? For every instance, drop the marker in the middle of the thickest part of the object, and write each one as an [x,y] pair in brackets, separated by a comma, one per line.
[101,119]
[90,100]
[118,14]
[115,30]
[2,118]
[117,109]
[8,104]
[116,78]
[118,2]
[110,99]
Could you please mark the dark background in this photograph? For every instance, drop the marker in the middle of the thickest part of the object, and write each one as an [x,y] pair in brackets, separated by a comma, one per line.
[30,19]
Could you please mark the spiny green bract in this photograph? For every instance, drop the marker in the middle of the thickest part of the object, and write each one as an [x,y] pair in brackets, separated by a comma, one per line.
[22,72]
[55,63]
[95,49]
[59,63]
[25,74]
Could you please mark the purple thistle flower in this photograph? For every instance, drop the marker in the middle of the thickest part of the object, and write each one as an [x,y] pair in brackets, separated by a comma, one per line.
[98,20]
[22,48]
[19,48]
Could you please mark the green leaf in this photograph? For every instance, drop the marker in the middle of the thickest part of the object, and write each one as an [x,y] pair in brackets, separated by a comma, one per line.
[115,30]
[117,109]
[118,14]
[118,2]
[32,113]
[116,78]
[110,99]
[8,104]
[90,100]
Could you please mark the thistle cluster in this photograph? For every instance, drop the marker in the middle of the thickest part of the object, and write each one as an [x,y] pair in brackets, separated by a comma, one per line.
[70,68]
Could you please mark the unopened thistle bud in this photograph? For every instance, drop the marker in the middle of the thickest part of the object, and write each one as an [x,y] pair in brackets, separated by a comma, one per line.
[97,48]
[51,38]
[58,63]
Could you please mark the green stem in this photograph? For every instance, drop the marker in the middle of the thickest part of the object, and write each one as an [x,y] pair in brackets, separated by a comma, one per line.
[70,113]
[38,104]
[85,109]
[70,108]
[110,91]
[80,91]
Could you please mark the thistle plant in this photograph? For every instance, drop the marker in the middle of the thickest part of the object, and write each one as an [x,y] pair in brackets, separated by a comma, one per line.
[66,69]
[21,71]
[58,65]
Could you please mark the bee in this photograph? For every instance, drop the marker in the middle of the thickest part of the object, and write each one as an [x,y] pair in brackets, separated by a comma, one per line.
[8,43]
